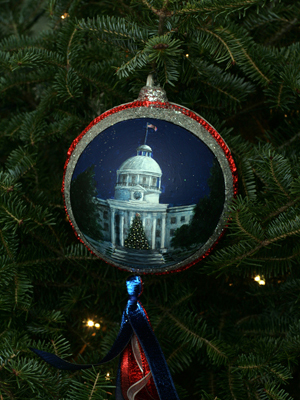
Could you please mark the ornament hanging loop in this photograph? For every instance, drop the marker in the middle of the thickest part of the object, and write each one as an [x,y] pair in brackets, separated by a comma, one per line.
[134,286]
[150,80]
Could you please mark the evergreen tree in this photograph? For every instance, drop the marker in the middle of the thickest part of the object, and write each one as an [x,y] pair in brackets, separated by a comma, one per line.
[206,214]
[236,63]
[83,193]
[136,238]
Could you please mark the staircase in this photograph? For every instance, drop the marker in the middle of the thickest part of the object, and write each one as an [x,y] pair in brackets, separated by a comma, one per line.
[137,257]
[130,257]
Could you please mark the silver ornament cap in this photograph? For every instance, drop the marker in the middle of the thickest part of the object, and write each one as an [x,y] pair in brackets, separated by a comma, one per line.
[152,92]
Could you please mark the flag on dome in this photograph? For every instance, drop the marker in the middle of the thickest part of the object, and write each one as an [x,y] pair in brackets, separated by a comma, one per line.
[151,126]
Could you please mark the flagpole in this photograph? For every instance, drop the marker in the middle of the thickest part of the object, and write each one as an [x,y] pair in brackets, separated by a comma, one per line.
[146,133]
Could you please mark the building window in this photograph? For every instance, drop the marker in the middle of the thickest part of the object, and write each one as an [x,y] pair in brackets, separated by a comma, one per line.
[105,226]
[105,215]
[172,232]
[154,181]
[144,179]
[173,220]
[182,219]
[158,222]
[158,234]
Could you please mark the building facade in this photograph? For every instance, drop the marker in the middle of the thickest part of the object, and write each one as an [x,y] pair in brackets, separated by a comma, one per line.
[137,190]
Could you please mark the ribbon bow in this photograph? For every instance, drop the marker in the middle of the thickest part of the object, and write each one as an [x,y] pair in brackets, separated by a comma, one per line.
[143,372]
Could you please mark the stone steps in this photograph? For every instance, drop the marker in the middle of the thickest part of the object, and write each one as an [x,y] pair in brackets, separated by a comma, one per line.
[129,256]
[138,257]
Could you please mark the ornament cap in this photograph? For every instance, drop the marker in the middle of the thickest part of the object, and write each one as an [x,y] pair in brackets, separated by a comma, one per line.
[152,92]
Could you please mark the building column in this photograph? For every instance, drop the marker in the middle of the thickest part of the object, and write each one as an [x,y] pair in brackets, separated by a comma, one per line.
[153,230]
[121,213]
[112,226]
[144,220]
[131,216]
[163,231]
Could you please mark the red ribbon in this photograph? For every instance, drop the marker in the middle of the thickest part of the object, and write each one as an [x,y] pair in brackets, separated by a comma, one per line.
[136,379]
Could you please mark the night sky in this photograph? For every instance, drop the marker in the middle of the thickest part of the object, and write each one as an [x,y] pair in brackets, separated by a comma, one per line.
[184,159]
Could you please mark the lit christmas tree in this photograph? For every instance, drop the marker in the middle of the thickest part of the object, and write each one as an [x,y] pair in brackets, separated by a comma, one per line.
[136,238]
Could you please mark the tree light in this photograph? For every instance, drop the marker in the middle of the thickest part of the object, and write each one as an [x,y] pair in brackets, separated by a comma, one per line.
[260,280]
[187,55]
[97,325]
[64,16]
[90,323]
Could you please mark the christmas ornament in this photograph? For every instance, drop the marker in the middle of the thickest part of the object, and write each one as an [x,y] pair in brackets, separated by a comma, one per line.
[147,188]
[147,185]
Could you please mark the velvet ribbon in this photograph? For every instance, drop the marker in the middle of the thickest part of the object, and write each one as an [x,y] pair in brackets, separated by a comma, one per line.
[143,373]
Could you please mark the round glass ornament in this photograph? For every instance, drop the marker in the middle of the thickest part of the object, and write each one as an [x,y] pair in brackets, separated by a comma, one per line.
[148,184]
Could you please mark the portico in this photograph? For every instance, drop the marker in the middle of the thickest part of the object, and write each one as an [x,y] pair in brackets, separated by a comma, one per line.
[149,216]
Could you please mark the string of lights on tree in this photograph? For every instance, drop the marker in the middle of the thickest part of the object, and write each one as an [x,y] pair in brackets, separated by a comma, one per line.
[136,238]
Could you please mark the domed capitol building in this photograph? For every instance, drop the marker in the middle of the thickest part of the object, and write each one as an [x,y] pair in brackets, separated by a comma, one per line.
[137,192]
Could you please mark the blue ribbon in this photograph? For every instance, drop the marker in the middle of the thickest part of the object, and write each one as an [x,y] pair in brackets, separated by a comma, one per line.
[134,321]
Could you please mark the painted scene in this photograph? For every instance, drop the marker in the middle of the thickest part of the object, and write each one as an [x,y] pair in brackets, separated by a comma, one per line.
[147,193]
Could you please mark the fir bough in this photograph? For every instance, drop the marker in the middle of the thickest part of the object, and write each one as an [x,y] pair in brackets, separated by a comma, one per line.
[235,62]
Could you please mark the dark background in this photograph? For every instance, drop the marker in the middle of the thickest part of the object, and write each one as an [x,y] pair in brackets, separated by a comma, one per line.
[184,159]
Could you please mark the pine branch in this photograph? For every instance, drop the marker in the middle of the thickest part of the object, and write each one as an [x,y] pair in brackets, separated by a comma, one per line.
[220,58]
[219,7]
[215,348]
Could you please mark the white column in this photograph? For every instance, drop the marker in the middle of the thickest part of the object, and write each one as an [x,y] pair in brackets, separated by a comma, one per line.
[159,183]
[154,230]
[131,215]
[144,220]
[122,228]
[112,226]
[163,231]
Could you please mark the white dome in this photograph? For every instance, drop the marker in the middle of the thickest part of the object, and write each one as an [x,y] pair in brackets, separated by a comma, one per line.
[144,147]
[140,164]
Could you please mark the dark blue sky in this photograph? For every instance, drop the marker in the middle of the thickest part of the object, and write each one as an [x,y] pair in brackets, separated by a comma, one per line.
[184,159]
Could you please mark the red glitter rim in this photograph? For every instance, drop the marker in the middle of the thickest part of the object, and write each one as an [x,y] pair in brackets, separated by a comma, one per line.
[184,111]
